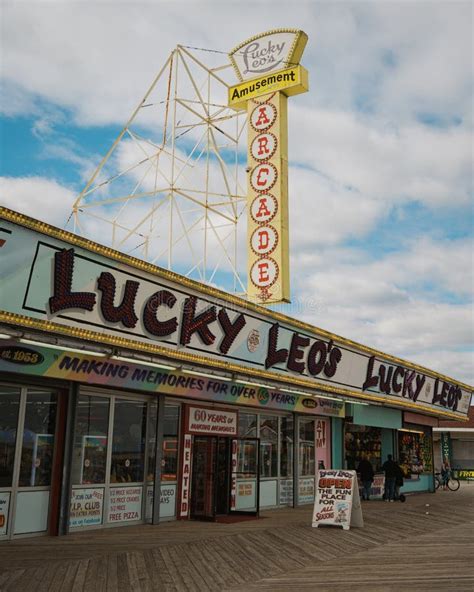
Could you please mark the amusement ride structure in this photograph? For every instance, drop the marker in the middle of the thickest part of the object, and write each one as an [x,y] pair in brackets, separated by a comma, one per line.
[172,189]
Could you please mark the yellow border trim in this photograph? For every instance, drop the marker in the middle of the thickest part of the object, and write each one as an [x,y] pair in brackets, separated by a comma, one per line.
[181,356]
[295,53]
[57,233]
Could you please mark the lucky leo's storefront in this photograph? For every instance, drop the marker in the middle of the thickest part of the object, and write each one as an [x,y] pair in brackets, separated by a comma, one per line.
[129,395]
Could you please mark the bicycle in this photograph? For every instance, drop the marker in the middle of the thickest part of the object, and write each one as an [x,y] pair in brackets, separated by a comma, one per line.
[452,483]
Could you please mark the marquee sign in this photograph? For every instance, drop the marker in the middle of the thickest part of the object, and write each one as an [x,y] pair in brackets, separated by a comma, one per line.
[56,282]
[268,52]
[268,67]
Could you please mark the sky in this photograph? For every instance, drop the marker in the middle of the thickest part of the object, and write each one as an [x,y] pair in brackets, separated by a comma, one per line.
[380,148]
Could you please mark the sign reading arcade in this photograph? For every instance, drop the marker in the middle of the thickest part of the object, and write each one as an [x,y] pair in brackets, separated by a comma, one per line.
[269,56]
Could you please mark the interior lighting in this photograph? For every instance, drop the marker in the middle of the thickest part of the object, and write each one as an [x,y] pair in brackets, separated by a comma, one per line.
[5,336]
[411,431]
[144,362]
[356,402]
[215,376]
[76,350]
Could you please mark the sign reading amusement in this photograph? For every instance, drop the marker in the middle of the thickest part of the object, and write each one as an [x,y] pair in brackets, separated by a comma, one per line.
[267,65]
[60,283]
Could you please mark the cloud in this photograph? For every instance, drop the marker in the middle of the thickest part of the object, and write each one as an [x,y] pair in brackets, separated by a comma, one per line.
[386,127]
[41,198]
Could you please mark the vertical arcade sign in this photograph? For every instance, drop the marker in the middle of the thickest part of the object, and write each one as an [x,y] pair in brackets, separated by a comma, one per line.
[267,66]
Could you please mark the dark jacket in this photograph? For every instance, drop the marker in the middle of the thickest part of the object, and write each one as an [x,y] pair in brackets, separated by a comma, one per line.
[366,470]
[391,469]
[400,476]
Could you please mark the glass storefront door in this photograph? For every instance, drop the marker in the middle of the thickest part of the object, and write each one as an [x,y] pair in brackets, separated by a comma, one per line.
[245,480]
[27,437]
[112,451]
[225,476]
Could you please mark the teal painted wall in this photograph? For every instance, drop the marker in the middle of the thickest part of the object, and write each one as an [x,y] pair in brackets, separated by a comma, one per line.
[337,443]
[425,483]
[387,443]
[375,416]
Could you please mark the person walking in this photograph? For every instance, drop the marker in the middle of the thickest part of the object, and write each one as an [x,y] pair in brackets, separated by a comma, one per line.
[390,469]
[366,473]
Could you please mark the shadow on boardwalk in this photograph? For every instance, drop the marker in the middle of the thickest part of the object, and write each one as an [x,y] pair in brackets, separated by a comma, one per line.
[402,546]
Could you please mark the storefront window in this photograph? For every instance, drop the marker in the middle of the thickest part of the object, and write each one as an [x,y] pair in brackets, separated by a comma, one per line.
[247,425]
[9,408]
[415,453]
[90,445]
[307,458]
[268,446]
[38,439]
[128,442]
[286,450]
[170,443]
[246,458]
[363,441]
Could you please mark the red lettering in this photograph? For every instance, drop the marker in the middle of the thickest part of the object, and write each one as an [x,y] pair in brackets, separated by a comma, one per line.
[262,208]
[263,145]
[263,272]
[263,171]
[262,117]
[263,239]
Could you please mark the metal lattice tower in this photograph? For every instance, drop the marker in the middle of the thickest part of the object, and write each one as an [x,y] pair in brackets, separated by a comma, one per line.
[171,189]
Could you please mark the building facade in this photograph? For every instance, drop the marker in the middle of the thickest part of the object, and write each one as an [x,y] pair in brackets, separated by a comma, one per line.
[130,394]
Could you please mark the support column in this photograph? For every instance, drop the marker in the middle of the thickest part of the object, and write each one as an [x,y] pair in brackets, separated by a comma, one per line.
[155,519]
[296,468]
[66,484]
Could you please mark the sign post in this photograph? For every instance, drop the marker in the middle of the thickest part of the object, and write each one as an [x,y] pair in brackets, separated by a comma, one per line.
[337,500]
[267,66]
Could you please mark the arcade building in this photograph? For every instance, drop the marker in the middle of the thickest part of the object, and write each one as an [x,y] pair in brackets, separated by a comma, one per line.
[130,394]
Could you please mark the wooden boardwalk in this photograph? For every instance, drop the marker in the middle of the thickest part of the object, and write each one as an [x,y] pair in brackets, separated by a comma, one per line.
[400,547]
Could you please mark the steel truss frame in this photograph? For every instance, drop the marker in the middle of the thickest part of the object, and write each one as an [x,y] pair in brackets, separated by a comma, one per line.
[171,189]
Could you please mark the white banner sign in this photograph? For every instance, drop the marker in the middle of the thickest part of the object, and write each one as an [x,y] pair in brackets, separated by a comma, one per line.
[186,480]
[49,277]
[125,504]
[86,507]
[337,499]
[212,421]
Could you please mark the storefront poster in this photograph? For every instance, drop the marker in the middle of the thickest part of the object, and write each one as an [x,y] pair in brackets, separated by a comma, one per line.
[465,474]
[245,498]
[286,492]
[86,507]
[306,490]
[337,499]
[167,501]
[125,504]
[212,421]
[57,281]
[4,505]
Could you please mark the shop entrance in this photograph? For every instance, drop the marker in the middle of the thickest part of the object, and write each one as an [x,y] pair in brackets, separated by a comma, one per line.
[27,439]
[225,478]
